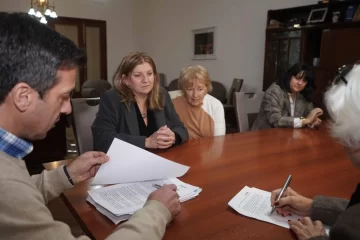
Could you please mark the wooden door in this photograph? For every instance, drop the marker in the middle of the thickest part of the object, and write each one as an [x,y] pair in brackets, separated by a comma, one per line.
[95,45]
[89,35]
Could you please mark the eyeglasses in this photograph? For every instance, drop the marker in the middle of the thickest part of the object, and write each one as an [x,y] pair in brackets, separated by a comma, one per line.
[343,71]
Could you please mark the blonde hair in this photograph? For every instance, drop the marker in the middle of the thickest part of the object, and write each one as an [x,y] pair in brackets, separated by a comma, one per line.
[342,102]
[155,100]
[189,74]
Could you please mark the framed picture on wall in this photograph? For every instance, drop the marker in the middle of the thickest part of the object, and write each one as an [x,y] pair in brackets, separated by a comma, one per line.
[357,14]
[317,15]
[204,43]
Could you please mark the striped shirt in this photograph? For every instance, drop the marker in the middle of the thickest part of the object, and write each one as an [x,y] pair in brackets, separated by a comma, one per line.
[14,146]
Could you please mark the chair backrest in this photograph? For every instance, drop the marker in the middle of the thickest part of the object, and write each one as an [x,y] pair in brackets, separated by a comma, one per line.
[162,79]
[175,94]
[246,109]
[173,85]
[84,112]
[235,87]
[219,91]
[94,88]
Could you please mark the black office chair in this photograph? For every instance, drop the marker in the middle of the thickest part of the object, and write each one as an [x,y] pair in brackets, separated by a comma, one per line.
[174,85]
[219,91]
[94,88]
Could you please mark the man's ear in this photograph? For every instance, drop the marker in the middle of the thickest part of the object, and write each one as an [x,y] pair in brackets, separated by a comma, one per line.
[22,96]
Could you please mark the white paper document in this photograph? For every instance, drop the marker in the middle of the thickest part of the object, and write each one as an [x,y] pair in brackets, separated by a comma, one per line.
[255,203]
[129,163]
[118,202]
[115,219]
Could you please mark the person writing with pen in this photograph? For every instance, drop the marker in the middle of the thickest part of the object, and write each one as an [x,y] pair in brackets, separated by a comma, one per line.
[343,102]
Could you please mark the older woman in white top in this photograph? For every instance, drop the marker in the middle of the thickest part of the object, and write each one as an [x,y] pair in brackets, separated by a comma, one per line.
[201,113]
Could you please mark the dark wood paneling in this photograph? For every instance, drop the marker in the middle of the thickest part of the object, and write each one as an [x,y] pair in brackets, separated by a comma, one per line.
[52,148]
[81,25]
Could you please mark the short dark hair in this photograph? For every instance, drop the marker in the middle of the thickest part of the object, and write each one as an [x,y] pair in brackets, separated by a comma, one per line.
[31,52]
[306,71]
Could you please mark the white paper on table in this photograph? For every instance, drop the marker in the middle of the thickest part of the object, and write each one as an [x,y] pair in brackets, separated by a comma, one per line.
[255,203]
[129,163]
[115,219]
[185,190]
[127,198]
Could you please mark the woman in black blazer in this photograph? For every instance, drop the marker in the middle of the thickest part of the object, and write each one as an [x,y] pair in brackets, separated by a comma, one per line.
[137,110]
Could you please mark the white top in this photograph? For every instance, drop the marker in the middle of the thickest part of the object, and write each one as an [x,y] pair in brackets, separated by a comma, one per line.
[297,121]
[213,107]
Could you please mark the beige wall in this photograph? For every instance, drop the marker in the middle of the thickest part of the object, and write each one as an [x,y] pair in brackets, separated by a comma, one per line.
[117,13]
[163,29]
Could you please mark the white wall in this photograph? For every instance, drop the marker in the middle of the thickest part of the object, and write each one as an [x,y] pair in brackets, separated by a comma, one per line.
[162,28]
[117,13]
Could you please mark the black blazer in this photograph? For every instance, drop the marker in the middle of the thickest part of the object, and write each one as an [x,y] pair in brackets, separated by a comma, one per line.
[115,120]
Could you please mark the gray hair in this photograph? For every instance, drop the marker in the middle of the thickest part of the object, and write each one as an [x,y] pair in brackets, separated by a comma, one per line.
[343,104]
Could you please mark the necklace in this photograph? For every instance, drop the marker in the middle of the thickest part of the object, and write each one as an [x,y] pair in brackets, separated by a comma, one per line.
[143,113]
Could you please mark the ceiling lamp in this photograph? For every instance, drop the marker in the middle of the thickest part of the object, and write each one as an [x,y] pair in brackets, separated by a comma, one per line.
[42,9]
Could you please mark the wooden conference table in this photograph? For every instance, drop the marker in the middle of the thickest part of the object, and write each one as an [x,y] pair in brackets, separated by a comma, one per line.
[222,166]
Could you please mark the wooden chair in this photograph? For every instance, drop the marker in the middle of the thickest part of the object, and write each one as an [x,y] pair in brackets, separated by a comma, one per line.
[231,124]
[246,109]
[84,113]
[235,87]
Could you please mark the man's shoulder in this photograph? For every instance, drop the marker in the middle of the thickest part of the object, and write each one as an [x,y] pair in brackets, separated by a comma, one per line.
[12,168]
[15,181]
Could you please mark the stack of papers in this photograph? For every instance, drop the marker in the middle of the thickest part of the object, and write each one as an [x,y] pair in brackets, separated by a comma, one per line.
[134,171]
[118,202]
[255,203]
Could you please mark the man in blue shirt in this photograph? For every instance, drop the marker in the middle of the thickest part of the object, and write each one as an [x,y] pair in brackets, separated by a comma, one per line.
[37,75]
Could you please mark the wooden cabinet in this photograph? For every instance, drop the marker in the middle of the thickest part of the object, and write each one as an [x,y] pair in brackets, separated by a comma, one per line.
[334,44]
[283,49]
[338,47]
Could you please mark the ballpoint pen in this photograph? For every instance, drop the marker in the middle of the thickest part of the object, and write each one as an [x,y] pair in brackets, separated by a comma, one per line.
[286,184]
[157,186]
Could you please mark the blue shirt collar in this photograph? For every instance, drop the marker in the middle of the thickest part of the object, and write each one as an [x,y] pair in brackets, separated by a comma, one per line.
[14,146]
